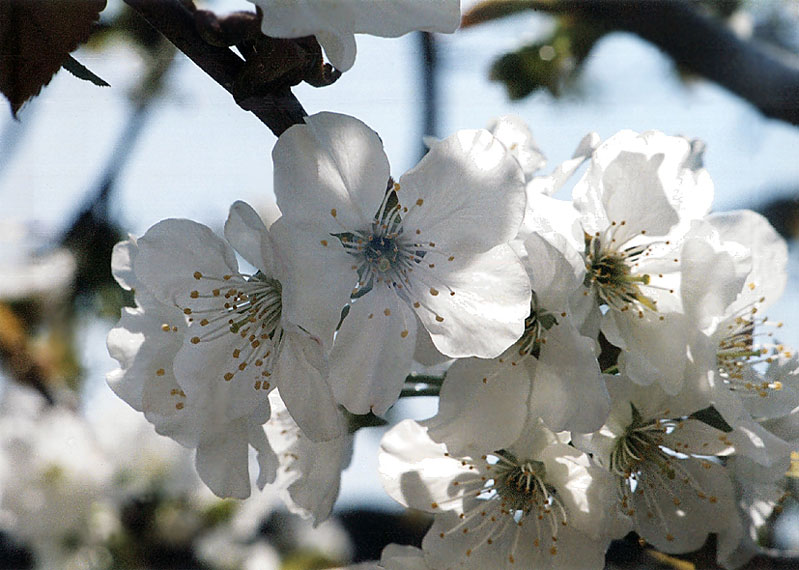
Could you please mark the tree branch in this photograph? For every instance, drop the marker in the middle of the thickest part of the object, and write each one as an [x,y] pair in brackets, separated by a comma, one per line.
[761,76]
[764,77]
[278,109]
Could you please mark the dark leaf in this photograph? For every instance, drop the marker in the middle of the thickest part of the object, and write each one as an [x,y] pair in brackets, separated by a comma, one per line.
[80,71]
[36,39]
[712,417]
[489,10]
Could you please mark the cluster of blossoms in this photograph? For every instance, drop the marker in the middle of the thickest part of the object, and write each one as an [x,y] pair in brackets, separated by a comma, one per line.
[609,353]
[107,492]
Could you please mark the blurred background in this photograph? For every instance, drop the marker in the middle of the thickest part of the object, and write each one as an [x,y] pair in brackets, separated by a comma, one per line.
[84,481]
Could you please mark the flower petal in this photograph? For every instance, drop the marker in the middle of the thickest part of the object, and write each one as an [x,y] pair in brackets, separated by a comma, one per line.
[302,381]
[373,352]
[173,251]
[483,404]
[330,172]
[246,232]
[466,195]
[473,305]
[222,461]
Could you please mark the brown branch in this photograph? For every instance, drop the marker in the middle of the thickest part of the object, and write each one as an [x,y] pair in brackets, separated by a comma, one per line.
[766,78]
[17,358]
[278,109]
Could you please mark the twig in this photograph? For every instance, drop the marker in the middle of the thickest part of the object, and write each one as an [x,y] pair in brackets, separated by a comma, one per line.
[278,110]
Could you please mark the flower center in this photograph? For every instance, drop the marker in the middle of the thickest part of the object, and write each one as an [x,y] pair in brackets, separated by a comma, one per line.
[244,309]
[610,273]
[513,494]
[739,352]
[383,254]
[647,472]
[521,484]
[535,326]
[640,444]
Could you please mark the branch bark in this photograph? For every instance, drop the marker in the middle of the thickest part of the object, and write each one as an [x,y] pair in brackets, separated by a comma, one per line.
[763,77]
[278,109]
[766,78]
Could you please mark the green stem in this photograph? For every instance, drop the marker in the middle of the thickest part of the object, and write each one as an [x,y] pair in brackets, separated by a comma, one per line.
[412,391]
[428,379]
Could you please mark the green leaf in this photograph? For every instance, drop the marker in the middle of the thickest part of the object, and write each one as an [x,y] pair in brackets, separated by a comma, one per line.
[80,71]
[712,417]
[552,63]
[637,418]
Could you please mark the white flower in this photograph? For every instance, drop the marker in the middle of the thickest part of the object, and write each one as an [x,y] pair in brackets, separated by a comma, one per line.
[667,484]
[53,478]
[633,207]
[733,269]
[335,22]
[310,472]
[432,247]
[551,372]
[207,344]
[536,504]
[761,493]
[514,133]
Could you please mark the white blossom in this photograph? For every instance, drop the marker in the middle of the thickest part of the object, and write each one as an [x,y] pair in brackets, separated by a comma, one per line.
[536,504]
[550,372]
[667,483]
[431,247]
[309,475]
[335,22]
[207,343]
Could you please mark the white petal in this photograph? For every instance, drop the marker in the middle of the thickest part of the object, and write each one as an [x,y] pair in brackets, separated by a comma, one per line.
[486,313]
[636,336]
[550,184]
[769,253]
[396,18]
[569,392]
[320,465]
[318,281]
[330,172]
[709,282]
[246,232]
[386,19]
[466,195]
[517,136]
[416,471]
[402,557]
[683,519]
[302,381]
[373,352]
[340,48]
[222,461]
[265,456]
[555,269]
[589,493]
[628,189]
[122,263]
[426,352]
[312,469]
[172,251]
[483,404]
[200,370]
